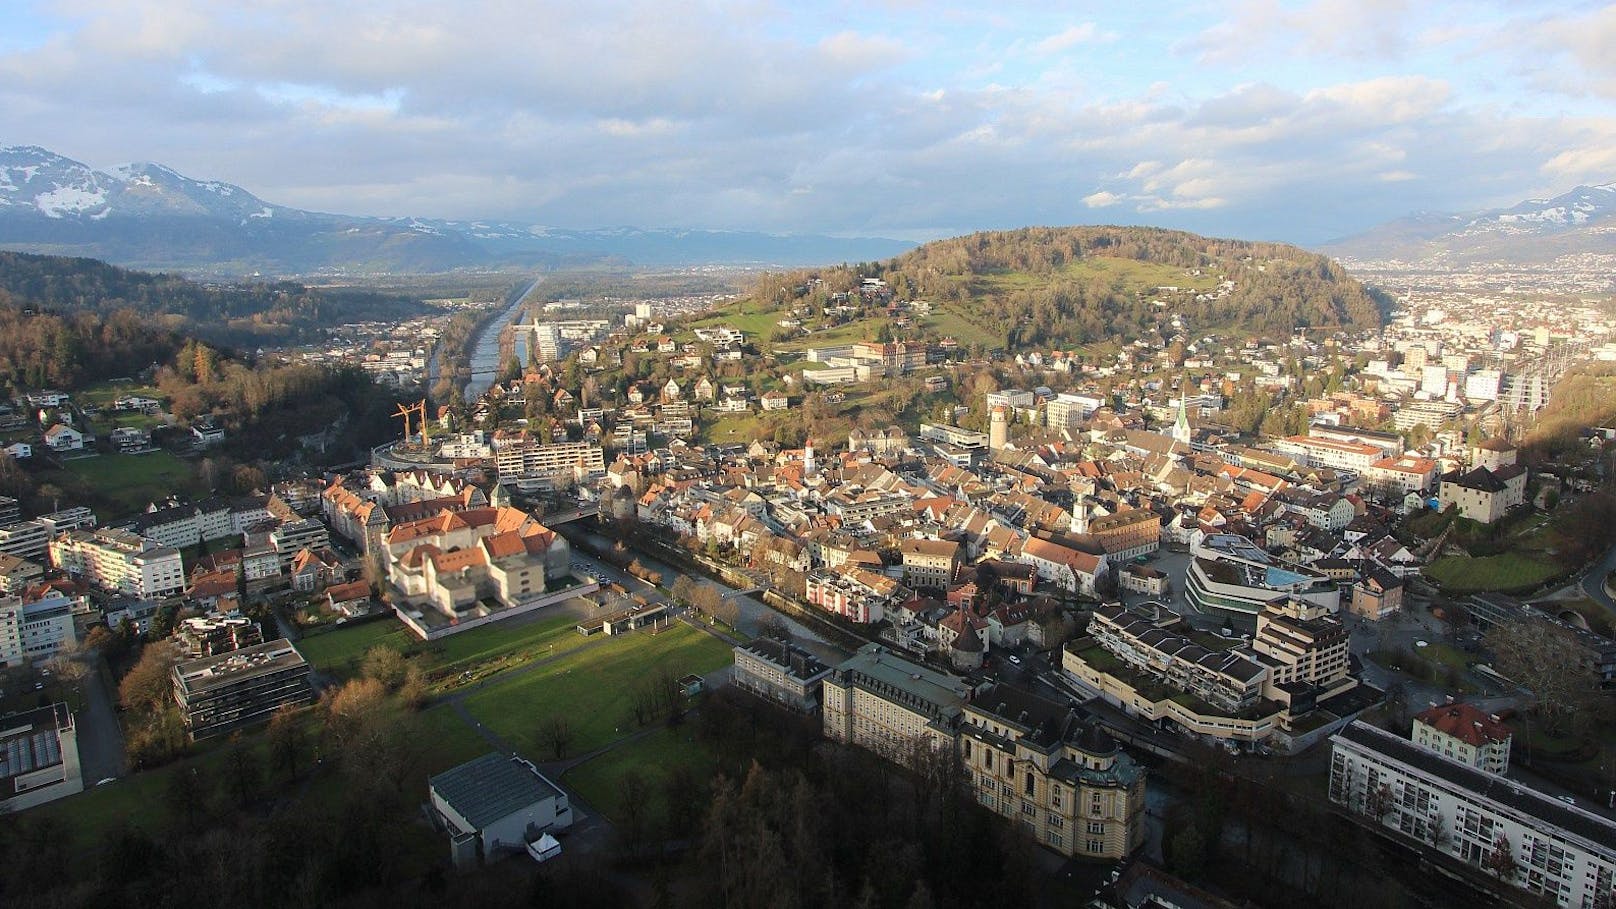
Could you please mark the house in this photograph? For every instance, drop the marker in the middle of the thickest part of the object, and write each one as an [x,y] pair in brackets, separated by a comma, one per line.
[313,569]
[208,435]
[20,450]
[1067,568]
[62,437]
[349,599]
[1484,494]
[774,400]
[495,806]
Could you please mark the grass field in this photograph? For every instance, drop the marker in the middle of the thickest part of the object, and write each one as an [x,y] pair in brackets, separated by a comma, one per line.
[951,320]
[102,394]
[130,482]
[591,689]
[480,651]
[598,779]
[1506,572]
[757,323]
[734,427]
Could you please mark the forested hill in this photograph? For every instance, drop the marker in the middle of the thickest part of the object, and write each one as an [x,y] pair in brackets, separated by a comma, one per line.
[242,315]
[1042,286]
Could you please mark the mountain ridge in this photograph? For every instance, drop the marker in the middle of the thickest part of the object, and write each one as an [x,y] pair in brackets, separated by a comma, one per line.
[1534,231]
[147,215]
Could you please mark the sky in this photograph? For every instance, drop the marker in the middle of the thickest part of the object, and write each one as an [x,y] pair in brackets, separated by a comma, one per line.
[1260,119]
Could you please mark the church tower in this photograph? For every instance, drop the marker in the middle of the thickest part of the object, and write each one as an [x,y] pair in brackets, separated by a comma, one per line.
[1181,426]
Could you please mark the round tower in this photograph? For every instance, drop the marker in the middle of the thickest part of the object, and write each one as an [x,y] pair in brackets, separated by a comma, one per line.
[999,428]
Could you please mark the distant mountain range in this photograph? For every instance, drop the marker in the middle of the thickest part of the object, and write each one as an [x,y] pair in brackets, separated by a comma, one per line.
[149,216]
[1534,232]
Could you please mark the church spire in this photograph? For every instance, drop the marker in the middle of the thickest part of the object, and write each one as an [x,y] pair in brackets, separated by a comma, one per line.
[1181,426]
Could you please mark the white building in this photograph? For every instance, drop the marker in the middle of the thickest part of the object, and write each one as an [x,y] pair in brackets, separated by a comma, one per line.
[1559,850]
[30,632]
[121,561]
[494,806]
[1465,734]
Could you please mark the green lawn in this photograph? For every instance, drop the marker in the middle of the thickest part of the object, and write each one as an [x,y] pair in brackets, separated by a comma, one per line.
[103,394]
[340,652]
[449,741]
[733,427]
[1504,572]
[480,651]
[598,779]
[952,320]
[592,689]
[131,482]
[757,323]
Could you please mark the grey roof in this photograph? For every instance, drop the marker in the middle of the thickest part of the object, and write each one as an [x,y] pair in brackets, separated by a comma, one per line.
[491,787]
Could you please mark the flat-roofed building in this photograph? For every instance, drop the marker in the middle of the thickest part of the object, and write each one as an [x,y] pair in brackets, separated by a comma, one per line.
[1041,764]
[1227,679]
[1426,801]
[119,560]
[205,636]
[219,694]
[1230,574]
[1354,456]
[1304,646]
[555,465]
[34,631]
[780,671]
[39,757]
[889,705]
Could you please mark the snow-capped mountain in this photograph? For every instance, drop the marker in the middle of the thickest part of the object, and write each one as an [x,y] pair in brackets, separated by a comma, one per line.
[1537,230]
[149,216]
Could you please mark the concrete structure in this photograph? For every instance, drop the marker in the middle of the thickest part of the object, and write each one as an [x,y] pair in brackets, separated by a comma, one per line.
[999,428]
[494,806]
[781,672]
[119,560]
[1465,734]
[17,573]
[39,758]
[1065,780]
[220,694]
[1428,801]
[1378,594]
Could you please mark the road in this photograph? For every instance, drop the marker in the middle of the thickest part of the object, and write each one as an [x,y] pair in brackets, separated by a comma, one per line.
[485,352]
[100,737]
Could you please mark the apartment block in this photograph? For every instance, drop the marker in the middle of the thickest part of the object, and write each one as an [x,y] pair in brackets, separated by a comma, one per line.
[219,694]
[119,560]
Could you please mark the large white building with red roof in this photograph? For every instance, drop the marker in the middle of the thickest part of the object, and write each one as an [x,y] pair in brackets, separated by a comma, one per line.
[465,564]
[1466,734]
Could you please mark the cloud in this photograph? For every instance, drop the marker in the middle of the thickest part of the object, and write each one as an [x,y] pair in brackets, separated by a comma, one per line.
[1067,39]
[758,114]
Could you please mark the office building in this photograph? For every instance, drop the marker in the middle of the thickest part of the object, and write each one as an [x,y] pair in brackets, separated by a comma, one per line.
[781,672]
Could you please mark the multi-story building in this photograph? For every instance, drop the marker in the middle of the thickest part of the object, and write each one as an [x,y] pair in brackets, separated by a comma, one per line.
[218,694]
[1378,594]
[25,540]
[1304,646]
[17,573]
[455,561]
[35,631]
[1230,574]
[780,671]
[953,435]
[929,563]
[1037,762]
[882,702]
[852,593]
[1428,801]
[1484,495]
[1127,534]
[1227,679]
[119,560]
[1401,475]
[293,537]
[539,465]
[1465,734]
[1353,456]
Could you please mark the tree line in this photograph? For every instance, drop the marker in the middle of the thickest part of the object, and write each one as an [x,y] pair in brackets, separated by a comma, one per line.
[241,314]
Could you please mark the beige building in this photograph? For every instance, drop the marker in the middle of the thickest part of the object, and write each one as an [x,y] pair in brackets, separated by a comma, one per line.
[1304,646]
[1484,494]
[119,560]
[1466,734]
[884,703]
[929,563]
[1066,782]
[456,560]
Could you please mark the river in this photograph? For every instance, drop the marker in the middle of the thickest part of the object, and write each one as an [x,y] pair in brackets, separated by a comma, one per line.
[485,353]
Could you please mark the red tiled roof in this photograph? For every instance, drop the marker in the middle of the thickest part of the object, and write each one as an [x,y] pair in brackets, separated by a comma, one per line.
[1466,723]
